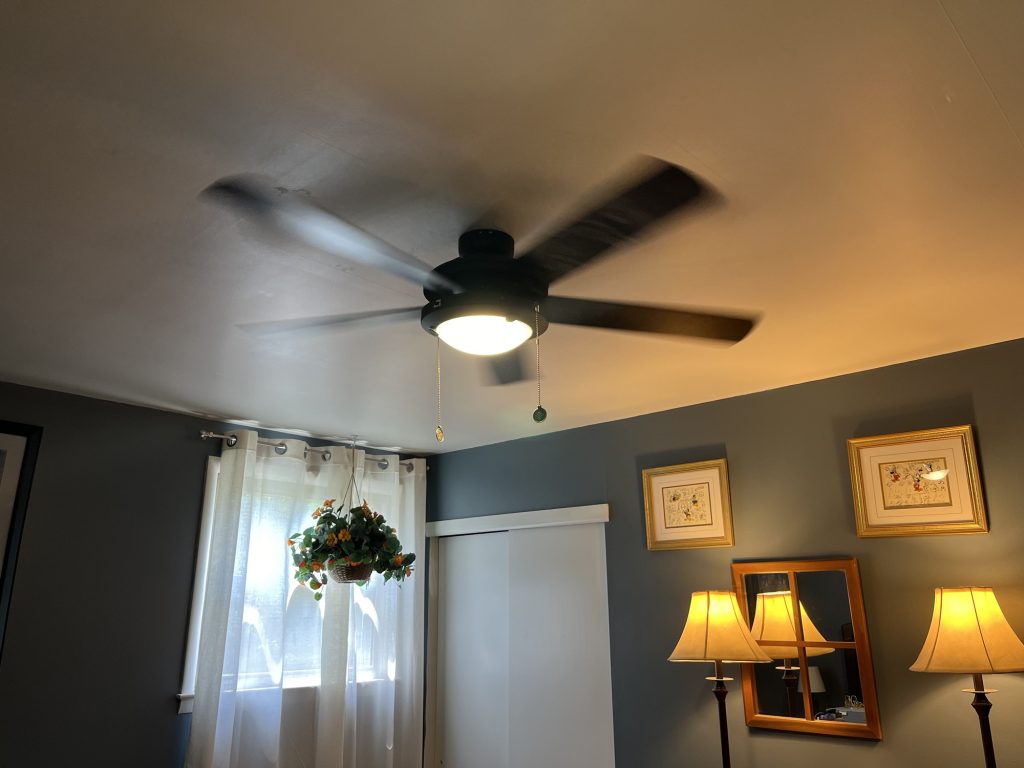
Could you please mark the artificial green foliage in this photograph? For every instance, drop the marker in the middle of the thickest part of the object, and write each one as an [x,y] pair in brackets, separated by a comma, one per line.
[355,537]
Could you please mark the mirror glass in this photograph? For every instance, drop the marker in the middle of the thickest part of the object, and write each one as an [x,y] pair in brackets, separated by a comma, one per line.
[809,617]
[826,597]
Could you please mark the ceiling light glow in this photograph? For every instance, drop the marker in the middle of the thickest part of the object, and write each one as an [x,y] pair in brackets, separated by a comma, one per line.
[483,334]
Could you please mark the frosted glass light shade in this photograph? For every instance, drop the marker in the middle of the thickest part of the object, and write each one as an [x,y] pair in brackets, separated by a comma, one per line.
[715,631]
[483,334]
[773,620]
[969,635]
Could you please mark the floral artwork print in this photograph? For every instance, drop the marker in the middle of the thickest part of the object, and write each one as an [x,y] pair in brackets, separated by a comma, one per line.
[687,505]
[904,484]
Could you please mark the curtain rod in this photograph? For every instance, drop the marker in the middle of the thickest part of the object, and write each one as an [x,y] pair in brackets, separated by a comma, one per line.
[280,448]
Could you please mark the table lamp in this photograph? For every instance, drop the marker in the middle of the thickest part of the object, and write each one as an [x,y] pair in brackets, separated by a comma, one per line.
[817,682]
[774,621]
[969,635]
[715,631]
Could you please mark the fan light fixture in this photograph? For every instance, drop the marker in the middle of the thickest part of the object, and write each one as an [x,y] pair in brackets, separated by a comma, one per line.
[488,300]
[483,334]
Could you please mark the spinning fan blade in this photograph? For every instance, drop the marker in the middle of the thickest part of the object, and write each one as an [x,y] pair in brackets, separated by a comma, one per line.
[645,318]
[508,368]
[665,190]
[317,227]
[329,321]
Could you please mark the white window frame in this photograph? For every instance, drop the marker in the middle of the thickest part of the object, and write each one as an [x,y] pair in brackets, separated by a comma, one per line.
[188,682]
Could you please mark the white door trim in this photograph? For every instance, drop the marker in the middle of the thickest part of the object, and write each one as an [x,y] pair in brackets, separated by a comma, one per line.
[542,518]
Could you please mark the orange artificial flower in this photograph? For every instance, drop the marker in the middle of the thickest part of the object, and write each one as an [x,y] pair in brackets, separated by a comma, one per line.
[291,543]
[328,502]
[396,560]
[331,540]
[316,512]
[317,565]
[345,534]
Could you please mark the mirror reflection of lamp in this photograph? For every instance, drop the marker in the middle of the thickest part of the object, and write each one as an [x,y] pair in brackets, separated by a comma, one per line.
[773,621]
[817,684]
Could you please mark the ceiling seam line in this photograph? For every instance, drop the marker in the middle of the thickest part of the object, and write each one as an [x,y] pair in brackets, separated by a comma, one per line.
[981,74]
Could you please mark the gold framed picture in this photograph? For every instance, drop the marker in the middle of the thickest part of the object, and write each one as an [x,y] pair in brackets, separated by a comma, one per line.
[687,505]
[916,483]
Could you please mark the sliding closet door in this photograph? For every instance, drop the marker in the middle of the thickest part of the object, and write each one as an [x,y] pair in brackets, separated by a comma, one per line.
[524,671]
[472,667]
[560,691]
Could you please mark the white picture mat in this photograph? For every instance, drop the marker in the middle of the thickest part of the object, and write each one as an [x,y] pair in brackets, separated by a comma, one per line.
[12,448]
[951,449]
[713,478]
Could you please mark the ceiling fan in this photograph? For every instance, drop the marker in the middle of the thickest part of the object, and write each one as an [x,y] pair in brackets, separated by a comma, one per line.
[488,301]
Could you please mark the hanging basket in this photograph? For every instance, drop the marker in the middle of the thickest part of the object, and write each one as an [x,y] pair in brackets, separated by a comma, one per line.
[346,574]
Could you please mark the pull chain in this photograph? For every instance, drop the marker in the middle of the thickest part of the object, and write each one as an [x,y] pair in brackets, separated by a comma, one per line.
[439,432]
[540,414]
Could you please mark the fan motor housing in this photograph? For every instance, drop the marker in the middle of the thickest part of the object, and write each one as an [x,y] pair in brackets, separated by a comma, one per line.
[494,283]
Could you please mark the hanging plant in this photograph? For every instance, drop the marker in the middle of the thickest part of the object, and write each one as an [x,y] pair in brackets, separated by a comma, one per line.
[350,546]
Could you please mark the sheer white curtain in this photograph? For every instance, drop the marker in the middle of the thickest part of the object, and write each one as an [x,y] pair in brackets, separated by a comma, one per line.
[283,680]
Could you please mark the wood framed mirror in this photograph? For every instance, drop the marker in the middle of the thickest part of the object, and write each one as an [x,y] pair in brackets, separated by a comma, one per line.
[823,680]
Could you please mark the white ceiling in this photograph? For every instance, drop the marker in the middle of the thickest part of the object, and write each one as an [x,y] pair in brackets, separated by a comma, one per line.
[870,155]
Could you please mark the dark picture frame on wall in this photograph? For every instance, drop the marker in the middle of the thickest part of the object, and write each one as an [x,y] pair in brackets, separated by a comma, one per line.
[917,483]
[688,506]
[19,447]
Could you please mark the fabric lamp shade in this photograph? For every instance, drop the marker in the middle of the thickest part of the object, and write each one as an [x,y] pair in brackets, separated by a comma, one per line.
[817,684]
[969,635]
[716,631]
[773,620]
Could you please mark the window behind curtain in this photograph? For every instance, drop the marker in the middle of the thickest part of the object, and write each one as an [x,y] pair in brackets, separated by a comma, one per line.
[263,659]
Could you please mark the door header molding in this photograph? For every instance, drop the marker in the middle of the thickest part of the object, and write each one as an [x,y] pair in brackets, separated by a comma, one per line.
[541,518]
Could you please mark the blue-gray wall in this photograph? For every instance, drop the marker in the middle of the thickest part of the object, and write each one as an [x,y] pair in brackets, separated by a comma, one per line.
[96,630]
[95,638]
[791,498]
